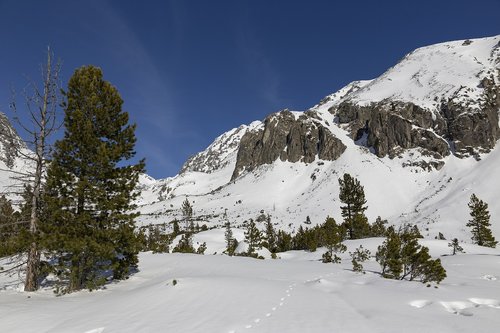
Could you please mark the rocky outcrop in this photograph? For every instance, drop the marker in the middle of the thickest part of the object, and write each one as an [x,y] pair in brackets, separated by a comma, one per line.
[474,131]
[287,137]
[215,157]
[457,127]
[391,127]
[10,142]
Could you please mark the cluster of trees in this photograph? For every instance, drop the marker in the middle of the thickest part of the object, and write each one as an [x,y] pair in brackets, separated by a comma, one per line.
[402,257]
[157,239]
[78,200]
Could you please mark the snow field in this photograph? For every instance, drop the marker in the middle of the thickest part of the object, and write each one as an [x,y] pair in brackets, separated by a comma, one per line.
[297,293]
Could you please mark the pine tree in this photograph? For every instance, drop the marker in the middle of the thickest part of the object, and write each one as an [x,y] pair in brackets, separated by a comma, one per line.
[359,256]
[352,194]
[230,241]
[332,238]
[378,228]
[8,228]
[455,246]
[400,257]
[389,255]
[480,223]
[253,237]
[175,228]
[91,186]
[270,235]
[187,213]
[185,244]
[283,241]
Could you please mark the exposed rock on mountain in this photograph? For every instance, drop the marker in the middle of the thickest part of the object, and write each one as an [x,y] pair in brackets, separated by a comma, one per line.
[216,156]
[10,142]
[391,127]
[290,137]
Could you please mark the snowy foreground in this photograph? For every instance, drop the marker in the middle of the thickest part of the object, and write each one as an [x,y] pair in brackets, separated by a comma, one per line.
[297,293]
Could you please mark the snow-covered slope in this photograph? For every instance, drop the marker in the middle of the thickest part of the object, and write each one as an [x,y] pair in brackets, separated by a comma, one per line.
[396,189]
[297,293]
[432,73]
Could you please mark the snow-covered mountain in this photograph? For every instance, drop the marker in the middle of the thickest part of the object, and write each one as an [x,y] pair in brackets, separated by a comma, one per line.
[10,147]
[421,138]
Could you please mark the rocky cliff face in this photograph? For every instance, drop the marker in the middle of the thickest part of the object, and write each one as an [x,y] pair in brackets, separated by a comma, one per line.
[218,154]
[10,142]
[465,128]
[289,137]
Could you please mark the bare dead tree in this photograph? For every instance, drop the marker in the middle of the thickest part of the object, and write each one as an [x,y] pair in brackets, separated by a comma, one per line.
[41,108]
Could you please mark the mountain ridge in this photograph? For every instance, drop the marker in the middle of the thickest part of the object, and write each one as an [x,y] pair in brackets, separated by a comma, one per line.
[409,160]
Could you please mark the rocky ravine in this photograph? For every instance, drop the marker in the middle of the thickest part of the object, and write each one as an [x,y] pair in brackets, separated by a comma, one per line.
[290,137]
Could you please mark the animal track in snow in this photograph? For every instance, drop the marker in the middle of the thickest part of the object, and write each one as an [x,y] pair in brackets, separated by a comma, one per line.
[248,326]
[458,307]
[268,314]
[493,303]
[256,320]
[96,330]
[420,303]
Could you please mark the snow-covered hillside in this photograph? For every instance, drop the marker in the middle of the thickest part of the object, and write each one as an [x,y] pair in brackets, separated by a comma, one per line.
[397,189]
[432,73]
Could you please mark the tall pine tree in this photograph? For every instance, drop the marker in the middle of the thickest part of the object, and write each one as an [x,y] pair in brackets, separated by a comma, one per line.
[90,185]
[480,223]
[352,195]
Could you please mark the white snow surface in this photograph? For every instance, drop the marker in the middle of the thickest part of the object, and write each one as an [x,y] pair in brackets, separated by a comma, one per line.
[297,293]
[431,73]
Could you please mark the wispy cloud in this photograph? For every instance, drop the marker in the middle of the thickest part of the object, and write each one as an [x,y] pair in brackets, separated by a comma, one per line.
[148,99]
[264,77]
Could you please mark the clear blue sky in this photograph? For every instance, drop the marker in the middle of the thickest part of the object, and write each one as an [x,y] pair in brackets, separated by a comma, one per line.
[190,70]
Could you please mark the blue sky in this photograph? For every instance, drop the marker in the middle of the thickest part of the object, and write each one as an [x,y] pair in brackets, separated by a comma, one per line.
[190,70]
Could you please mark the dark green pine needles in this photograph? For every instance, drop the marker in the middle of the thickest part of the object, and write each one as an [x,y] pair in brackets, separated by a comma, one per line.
[90,187]
[480,223]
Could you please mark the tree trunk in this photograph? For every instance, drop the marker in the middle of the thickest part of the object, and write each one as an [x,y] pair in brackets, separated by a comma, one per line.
[33,263]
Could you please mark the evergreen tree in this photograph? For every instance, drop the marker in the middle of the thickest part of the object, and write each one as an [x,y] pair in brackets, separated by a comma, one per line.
[455,246]
[333,235]
[230,241]
[9,228]
[176,230]
[283,241]
[389,255]
[270,235]
[299,241]
[90,185]
[253,237]
[202,248]
[352,195]
[187,213]
[185,244]
[378,228]
[401,257]
[359,256]
[480,223]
